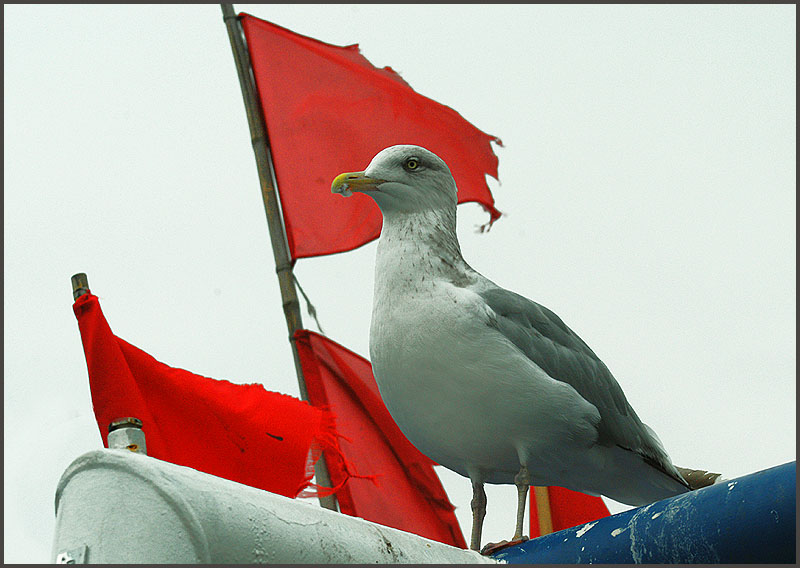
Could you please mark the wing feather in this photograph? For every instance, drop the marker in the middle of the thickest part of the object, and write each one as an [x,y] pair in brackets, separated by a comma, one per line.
[547,341]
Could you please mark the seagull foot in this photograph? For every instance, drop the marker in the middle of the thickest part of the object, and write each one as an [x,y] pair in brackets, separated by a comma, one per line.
[492,547]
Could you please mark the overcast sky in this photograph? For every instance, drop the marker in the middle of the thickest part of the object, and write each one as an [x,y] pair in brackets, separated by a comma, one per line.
[647,176]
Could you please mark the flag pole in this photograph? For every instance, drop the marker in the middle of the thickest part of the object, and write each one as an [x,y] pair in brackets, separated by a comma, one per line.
[80,285]
[266,174]
[542,495]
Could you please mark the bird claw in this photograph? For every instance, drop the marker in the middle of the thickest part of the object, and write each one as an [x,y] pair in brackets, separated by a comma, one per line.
[492,547]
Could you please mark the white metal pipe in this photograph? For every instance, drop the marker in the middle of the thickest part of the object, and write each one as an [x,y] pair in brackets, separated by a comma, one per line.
[116,506]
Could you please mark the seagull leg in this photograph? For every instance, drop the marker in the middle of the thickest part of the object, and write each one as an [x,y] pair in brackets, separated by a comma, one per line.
[478,513]
[522,481]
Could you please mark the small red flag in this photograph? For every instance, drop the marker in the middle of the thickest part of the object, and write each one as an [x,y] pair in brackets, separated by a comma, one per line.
[240,432]
[328,110]
[389,481]
[567,509]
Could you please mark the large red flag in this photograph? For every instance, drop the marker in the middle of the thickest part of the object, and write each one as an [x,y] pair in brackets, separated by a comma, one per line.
[240,432]
[567,509]
[388,480]
[328,110]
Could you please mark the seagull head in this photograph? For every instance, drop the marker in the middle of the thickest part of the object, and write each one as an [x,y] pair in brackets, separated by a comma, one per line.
[402,178]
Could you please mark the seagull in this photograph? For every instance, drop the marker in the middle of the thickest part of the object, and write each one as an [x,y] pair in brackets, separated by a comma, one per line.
[482,380]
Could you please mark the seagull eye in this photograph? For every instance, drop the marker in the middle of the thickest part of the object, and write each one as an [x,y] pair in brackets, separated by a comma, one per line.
[412,164]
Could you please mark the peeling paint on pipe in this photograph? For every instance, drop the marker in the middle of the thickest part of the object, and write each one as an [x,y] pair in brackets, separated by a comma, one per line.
[749,519]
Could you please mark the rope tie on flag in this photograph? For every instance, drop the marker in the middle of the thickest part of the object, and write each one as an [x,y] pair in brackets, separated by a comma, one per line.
[312,311]
[327,441]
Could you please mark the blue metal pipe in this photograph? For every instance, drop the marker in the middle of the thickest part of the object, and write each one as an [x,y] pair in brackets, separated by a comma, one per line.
[749,519]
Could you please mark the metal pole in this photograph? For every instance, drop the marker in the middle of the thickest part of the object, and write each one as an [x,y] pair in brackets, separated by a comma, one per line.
[280,249]
[80,285]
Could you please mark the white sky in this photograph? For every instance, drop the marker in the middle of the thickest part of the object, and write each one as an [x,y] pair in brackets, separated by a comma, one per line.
[648,177]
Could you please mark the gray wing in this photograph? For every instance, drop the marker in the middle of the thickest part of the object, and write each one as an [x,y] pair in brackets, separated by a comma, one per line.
[548,342]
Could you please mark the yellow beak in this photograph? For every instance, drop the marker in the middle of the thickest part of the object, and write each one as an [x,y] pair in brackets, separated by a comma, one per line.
[349,182]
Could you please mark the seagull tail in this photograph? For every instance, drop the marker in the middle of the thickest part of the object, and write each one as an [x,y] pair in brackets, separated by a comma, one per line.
[697,478]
